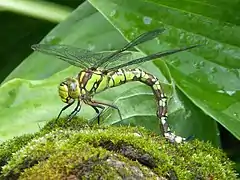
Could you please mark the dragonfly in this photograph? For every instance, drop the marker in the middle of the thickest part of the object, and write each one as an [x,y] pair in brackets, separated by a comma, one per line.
[105,70]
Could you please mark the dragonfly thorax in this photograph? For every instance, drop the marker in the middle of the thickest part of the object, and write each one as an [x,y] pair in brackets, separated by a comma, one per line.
[69,90]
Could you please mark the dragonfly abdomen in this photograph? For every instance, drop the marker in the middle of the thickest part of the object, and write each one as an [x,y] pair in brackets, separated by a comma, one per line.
[122,76]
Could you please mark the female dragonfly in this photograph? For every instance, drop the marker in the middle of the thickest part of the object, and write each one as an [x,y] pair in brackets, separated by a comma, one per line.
[104,70]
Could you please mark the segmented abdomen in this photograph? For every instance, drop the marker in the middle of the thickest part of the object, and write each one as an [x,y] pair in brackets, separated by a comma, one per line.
[122,76]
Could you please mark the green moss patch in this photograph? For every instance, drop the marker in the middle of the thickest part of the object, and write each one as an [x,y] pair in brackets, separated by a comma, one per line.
[75,150]
[9,147]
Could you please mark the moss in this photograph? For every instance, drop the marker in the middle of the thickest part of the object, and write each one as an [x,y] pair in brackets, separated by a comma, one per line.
[76,150]
[37,150]
[74,124]
[9,147]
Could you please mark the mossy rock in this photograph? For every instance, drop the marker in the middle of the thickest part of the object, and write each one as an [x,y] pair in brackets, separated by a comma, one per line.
[78,151]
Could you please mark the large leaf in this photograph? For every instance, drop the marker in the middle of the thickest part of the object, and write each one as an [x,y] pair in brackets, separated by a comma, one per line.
[36,101]
[79,29]
[209,75]
[19,31]
[39,9]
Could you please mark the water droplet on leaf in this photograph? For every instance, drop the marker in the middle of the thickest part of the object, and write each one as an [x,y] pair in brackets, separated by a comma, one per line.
[147,20]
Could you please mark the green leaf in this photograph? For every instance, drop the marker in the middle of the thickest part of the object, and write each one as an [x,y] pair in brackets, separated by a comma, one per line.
[209,75]
[36,101]
[79,30]
[39,9]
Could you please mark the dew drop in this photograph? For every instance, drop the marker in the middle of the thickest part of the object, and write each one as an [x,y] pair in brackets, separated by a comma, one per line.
[181,36]
[199,65]
[147,20]
[113,12]
[235,114]
[207,42]
[219,46]
[91,47]
[202,63]
[213,70]
[230,93]
[196,65]
[221,91]
[51,40]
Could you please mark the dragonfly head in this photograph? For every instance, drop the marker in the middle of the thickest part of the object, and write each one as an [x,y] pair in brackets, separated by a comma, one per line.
[69,90]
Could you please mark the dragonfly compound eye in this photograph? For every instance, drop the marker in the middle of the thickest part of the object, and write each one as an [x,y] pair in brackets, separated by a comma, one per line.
[69,90]
[73,88]
[63,92]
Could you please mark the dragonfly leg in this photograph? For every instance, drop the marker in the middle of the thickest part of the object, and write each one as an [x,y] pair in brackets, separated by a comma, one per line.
[97,104]
[75,111]
[110,105]
[64,108]
[95,107]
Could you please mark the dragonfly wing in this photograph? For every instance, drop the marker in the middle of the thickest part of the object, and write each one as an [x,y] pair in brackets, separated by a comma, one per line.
[75,56]
[117,60]
[138,40]
[152,57]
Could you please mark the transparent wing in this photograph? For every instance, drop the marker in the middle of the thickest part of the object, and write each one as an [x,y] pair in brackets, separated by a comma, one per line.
[76,56]
[87,59]
[116,57]
[151,57]
[120,58]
